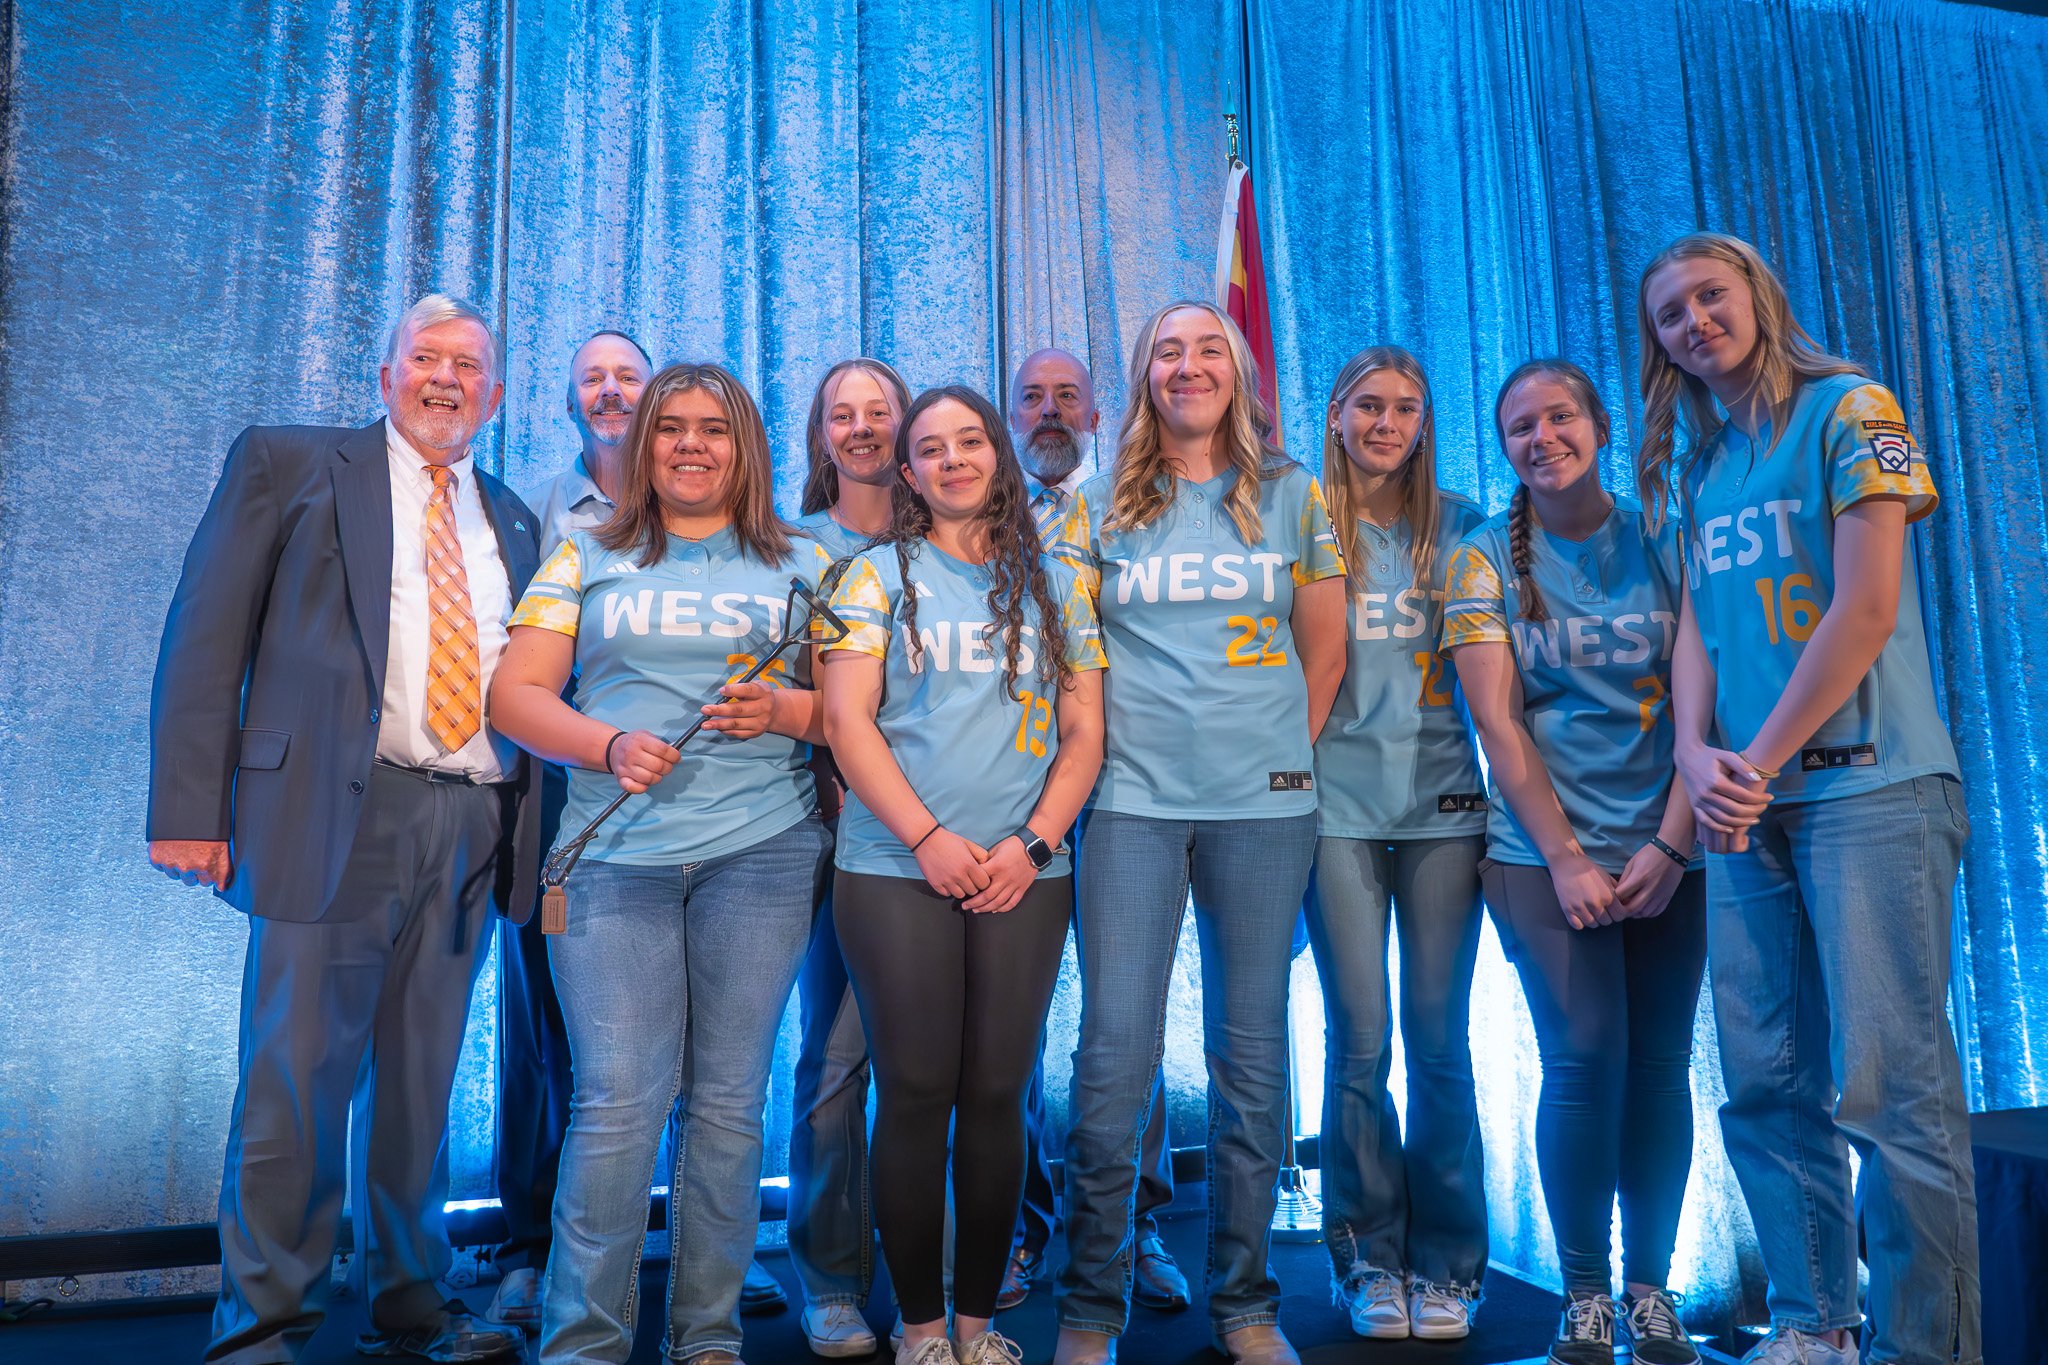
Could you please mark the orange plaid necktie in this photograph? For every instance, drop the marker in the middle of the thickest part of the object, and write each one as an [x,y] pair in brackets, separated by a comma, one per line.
[454,698]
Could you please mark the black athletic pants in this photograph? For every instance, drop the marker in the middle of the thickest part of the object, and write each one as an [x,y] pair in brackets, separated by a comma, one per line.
[954,1005]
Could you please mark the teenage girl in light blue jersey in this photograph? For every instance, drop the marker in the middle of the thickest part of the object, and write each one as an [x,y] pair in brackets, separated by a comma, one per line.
[1217,577]
[1817,760]
[965,708]
[850,440]
[689,913]
[1562,615]
[1402,819]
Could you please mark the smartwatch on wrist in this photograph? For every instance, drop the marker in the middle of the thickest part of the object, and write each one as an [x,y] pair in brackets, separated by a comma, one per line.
[1035,848]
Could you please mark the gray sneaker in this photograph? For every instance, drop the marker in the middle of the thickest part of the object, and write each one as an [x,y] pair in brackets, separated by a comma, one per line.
[1585,1334]
[930,1351]
[991,1348]
[1790,1346]
[1376,1301]
[1651,1329]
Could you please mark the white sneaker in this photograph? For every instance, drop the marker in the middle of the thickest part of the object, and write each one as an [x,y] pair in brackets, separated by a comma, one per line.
[1438,1312]
[1789,1346]
[517,1302]
[991,1348]
[1377,1301]
[837,1331]
[930,1351]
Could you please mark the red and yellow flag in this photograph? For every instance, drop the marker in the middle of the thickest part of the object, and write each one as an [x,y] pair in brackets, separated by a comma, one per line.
[1241,281]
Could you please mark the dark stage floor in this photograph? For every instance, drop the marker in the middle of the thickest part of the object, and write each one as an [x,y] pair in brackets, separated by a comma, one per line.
[1514,1324]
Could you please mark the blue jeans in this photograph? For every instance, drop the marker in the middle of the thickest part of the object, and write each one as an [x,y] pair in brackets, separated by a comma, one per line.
[1829,947]
[714,945]
[1418,1205]
[1248,877]
[831,1223]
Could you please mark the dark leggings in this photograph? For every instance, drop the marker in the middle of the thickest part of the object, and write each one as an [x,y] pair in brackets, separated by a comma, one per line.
[1613,1007]
[954,1005]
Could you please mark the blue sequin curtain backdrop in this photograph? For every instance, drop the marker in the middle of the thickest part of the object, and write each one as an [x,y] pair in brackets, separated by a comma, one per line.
[208,220]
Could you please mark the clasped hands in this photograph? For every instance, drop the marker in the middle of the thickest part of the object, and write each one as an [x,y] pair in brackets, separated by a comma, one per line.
[1589,895]
[984,881]
[1727,793]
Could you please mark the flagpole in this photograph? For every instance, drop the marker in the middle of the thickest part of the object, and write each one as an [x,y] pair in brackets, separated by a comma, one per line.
[1297,1213]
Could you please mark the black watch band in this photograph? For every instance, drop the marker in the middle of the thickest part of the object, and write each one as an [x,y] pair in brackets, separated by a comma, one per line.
[1035,848]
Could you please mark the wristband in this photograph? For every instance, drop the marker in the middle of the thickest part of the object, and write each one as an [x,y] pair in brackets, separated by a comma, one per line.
[1657,842]
[1758,770]
[926,835]
[616,737]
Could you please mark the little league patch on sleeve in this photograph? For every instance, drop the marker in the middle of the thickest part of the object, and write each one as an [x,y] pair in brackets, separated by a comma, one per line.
[1891,445]
[1290,782]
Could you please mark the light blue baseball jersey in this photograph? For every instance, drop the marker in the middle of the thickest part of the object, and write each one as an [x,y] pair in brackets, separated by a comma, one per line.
[839,542]
[1396,760]
[975,755]
[1206,703]
[653,645]
[1760,563]
[1596,672]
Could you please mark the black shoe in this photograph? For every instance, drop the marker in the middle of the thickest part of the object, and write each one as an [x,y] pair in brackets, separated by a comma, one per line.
[1653,1332]
[1585,1334]
[761,1293]
[1156,1281]
[452,1334]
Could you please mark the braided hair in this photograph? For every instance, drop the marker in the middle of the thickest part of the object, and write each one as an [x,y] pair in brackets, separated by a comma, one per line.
[1519,519]
[1016,571]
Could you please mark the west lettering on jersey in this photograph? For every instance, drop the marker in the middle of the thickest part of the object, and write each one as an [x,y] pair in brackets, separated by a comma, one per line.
[1193,577]
[677,611]
[964,646]
[1594,641]
[1736,540]
[1410,606]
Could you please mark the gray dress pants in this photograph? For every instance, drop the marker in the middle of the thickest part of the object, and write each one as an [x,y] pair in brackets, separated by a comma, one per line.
[364,1009]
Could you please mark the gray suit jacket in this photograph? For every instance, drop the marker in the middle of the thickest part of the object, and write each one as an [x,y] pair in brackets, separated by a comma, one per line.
[263,721]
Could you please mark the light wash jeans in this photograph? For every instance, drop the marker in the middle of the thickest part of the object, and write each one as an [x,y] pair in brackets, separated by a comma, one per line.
[1829,946]
[714,945]
[1248,877]
[1417,1205]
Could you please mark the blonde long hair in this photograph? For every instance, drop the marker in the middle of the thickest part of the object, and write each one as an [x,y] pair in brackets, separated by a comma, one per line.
[1421,499]
[1143,484]
[637,524]
[1786,357]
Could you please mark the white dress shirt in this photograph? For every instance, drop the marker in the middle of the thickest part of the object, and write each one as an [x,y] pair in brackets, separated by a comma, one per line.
[402,735]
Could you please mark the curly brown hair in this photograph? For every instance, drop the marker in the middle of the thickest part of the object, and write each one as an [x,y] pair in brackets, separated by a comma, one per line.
[1016,571]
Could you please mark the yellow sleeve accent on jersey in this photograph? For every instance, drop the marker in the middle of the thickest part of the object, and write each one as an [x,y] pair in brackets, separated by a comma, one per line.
[863,603]
[1073,545]
[1084,630]
[812,569]
[554,597]
[1871,453]
[1475,608]
[1320,556]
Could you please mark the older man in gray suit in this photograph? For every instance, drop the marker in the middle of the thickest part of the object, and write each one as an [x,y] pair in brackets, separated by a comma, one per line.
[319,759]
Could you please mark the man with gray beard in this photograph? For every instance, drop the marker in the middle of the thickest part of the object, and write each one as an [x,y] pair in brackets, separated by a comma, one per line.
[1052,405]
